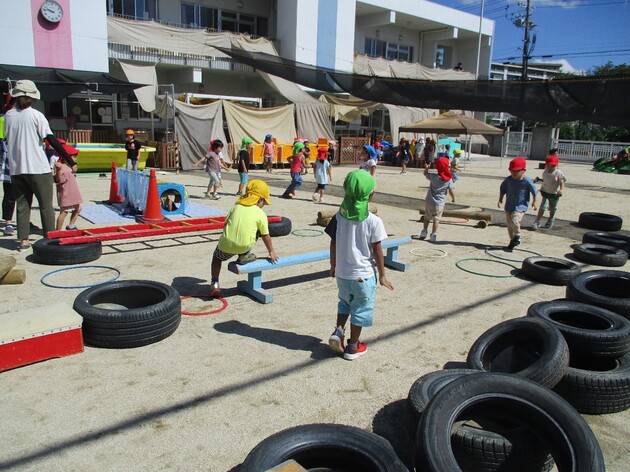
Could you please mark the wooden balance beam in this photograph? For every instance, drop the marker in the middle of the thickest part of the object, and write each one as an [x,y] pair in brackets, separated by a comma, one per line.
[253,285]
[482,217]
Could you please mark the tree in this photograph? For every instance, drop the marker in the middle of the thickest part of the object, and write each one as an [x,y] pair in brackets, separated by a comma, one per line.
[609,69]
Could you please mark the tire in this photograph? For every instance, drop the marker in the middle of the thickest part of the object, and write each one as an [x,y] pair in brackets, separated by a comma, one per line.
[49,252]
[325,447]
[600,254]
[597,386]
[588,330]
[128,313]
[600,221]
[539,410]
[609,289]
[526,347]
[624,171]
[620,241]
[281,228]
[550,270]
[503,446]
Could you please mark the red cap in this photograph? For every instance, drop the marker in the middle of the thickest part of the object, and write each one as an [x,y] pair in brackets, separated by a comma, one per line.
[552,160]
[69,149]
[321,153]
[518,163]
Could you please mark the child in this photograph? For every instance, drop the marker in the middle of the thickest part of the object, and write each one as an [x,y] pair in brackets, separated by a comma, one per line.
[331,151]
[68,194]
[132,145]
[242,224]
[323,174]
[355,255]
[517,189]
[243,163]
[269,152]
[404,154]
[551,189]
[307,156]
[455,164]
[435,200]
[368,160]
[297,164]
[214,164]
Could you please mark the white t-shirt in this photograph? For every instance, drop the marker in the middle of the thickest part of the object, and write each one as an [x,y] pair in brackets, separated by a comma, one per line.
[551,181]
[354,241]
[25,130]
[367,164]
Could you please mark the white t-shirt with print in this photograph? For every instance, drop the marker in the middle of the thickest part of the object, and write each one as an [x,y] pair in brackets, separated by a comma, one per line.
[551,181]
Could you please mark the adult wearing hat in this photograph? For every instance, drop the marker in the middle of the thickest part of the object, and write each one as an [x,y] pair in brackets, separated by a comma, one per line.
[26,129]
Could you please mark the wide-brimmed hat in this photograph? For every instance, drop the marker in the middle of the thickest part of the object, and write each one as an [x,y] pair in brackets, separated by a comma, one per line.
[25,88]
[255,190]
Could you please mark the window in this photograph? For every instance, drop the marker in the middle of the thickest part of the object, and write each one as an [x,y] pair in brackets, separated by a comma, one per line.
[222,20]
[439,57]
[377,48]
[138,9]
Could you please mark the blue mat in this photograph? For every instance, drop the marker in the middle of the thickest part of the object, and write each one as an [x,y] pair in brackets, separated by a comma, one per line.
[104,213]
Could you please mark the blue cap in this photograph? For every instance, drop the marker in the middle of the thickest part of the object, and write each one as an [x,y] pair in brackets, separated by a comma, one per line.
[267,137]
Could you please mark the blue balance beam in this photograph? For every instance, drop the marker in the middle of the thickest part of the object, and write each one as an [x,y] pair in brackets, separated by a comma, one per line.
[253,285]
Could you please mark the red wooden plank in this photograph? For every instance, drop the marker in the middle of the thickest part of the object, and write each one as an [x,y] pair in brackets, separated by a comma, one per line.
[28,351]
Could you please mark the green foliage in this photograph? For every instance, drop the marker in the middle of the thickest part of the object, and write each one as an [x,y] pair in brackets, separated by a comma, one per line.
[610,69]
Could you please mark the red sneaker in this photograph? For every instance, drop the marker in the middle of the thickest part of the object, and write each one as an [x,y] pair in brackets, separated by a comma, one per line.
[352,354]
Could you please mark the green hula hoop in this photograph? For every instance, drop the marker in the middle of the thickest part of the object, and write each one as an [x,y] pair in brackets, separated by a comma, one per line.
[457,264]
[307,233]
[487,251]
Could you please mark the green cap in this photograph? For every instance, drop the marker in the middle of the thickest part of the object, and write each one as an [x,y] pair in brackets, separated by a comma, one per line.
[245,142]
[358,186]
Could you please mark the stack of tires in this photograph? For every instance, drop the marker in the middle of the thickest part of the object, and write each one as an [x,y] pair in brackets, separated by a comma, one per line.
[602,247]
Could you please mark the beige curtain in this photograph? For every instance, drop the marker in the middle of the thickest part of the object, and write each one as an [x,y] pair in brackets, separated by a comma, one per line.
[142,75]
[404,70]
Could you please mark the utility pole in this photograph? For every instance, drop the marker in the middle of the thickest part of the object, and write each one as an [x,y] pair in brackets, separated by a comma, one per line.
[526,46]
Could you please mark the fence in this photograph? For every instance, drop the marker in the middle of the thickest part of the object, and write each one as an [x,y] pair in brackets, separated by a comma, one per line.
[349,151]
[517,143]
[588,151]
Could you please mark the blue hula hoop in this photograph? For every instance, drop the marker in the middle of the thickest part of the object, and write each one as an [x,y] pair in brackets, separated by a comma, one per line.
[79,267]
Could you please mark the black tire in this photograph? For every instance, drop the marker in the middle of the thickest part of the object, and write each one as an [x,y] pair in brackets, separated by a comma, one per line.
[600,254]
[526,347]
[600,221]
[597,386]
[503,446]
[620,241]
[624,171]
[325,447]
[588,330]
[550,270]
[609,289]
[545,414]
[49,252]
[128,313]
[281,228]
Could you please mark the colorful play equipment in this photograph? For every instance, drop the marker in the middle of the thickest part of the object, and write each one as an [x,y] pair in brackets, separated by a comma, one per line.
[173,199]
[97,157]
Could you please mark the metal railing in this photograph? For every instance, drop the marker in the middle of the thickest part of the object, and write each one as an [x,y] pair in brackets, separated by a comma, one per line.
[588,151]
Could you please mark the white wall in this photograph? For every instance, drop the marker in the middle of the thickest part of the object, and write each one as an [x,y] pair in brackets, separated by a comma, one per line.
[17,33]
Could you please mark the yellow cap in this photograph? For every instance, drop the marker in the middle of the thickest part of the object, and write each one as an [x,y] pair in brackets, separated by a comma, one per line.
[130,131]
[255,190]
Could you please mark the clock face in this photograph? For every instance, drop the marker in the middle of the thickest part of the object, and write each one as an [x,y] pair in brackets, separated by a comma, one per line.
[51,11]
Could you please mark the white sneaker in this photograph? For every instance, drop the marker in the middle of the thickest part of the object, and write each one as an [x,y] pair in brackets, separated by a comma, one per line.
[433,237]
[315,197]
[536,224]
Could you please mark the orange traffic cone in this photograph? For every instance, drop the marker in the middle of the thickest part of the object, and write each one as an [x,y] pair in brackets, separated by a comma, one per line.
[113,187]
[152,212]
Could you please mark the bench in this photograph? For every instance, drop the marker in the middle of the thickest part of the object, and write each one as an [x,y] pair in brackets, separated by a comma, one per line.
[253,285]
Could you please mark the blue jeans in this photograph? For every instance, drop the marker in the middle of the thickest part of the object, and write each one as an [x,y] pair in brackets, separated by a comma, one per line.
[296,182]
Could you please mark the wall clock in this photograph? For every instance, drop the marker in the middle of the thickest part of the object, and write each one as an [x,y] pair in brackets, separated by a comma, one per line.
[51,11]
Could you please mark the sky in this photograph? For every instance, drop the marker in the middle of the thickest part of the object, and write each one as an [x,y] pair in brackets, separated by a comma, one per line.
[581,34]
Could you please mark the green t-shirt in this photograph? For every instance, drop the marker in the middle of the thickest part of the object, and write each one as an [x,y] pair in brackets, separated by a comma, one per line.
[241,224]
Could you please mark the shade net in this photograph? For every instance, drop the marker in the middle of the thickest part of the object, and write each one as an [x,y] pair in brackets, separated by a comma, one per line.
[600,100]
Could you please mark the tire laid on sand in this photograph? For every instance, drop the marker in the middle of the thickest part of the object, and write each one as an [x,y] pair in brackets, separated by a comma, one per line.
[325,447]
[600,254]
[502,446]
[609,289]
[128,313]
[548,416]
[526,347]
[588,330]
[597,386]
[608,239]
[600,221]
[281,228]
[49,252]
[550,270]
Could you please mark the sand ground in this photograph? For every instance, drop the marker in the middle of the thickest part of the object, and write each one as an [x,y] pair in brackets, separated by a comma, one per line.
[204,397]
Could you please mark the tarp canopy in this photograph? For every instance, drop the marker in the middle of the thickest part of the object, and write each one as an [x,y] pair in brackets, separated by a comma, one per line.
[381,67]
[451,123]
[57,84]
[602,100]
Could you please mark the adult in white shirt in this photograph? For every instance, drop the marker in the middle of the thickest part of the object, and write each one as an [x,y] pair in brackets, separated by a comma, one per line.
[26,129]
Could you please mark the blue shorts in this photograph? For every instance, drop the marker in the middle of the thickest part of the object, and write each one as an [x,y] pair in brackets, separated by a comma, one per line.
[243,176]
[357,300]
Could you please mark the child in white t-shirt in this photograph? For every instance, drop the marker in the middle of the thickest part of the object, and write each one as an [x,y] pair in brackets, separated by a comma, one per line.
[553,181]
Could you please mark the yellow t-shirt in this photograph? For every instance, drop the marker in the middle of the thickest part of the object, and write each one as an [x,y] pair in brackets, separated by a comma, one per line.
[241,224]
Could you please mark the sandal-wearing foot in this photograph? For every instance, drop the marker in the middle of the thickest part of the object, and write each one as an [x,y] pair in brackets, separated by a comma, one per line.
[23,247]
